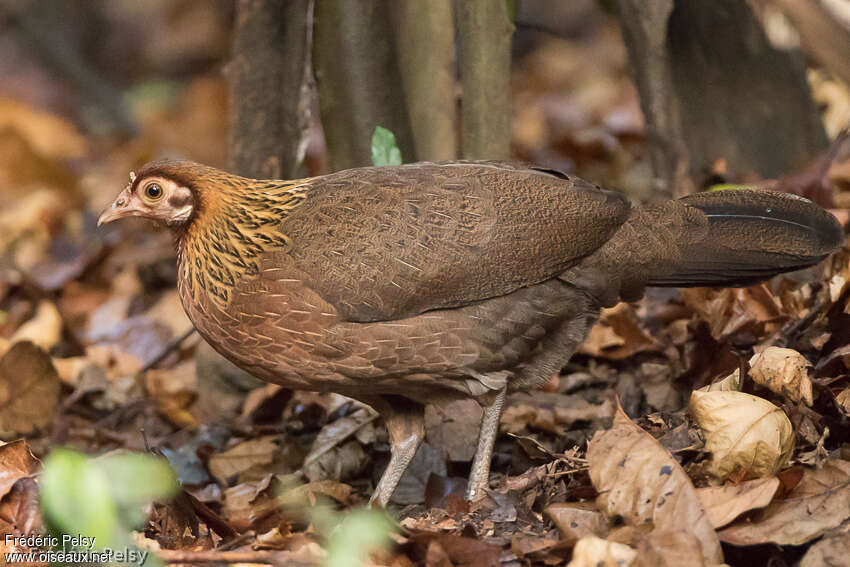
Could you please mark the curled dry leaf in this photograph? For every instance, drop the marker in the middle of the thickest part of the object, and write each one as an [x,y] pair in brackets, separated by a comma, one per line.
[784,371]
[591,551]
[44,329]
[617,335]
[747,436]
[29,389]
[640,481]
[725,503]
[731,383]
[16,462]
[818,503]
[728,311]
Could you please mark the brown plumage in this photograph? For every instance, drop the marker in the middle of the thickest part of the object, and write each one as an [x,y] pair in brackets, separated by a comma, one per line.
[409,285]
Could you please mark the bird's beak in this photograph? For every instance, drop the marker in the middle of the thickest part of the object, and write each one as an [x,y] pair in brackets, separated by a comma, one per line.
[122,207]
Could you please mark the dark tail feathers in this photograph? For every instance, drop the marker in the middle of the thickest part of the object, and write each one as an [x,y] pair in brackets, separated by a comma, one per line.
[752,236]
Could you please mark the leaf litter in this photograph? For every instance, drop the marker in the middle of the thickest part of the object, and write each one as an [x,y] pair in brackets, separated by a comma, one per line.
[608,464]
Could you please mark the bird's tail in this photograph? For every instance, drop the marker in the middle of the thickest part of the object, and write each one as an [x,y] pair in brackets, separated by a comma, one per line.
[750,236]
[719,238]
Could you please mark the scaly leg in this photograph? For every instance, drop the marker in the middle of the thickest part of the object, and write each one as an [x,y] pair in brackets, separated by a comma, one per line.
[479,475]
[405,423]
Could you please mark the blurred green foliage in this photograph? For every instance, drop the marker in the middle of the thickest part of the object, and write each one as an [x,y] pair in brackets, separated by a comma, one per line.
[384,148]
[102,497]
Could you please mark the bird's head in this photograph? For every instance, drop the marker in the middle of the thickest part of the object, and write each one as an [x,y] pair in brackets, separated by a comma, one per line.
[166,191]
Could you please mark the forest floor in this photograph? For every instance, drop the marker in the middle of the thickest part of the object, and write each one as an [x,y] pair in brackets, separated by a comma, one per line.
[758,467]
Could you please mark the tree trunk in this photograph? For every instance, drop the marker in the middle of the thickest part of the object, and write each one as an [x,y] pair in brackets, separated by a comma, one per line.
[358,79]
[485,31]
[710,82]
[644,26]
[267,79]
[427,63]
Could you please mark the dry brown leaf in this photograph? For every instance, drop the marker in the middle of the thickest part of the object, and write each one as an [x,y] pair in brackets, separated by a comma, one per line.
[640,481]
[617,335]
[454,427]
[843,400]
[818,503]
[591,551]
[784,371]
[832,550]
[336,432]
[725,503]
[245,455]
[728,311]
[19,513]
[44,329]
[174,390]
[669,549]
[29,389]
[576,520]
[16,462]
[50,135]
[27,219]
[747,436]
[731,383]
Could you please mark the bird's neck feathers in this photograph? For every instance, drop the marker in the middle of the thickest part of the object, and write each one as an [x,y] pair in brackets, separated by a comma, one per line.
[235,221]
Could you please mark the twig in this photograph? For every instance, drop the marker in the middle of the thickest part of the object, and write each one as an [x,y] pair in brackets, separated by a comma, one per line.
[267,557]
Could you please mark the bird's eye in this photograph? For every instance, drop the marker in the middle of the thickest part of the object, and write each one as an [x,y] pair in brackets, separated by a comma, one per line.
[153,191]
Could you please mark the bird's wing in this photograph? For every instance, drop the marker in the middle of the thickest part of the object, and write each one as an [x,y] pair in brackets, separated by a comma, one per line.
[384,243]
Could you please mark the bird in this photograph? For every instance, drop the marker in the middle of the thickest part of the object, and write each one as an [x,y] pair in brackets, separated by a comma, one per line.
[403,286]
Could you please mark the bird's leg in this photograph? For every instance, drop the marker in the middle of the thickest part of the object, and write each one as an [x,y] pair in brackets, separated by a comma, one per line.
[479,475]
[405,423]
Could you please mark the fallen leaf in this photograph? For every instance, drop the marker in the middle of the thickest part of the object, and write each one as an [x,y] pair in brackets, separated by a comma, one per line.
[591,551]
[454,427]
[29,389]
[20,512]
[832,551]
[617,335]
[428,460]
[733,310]
[338,431]
[731,383]
[576,520]
[174,390]
[725,503]
[640,481]
[458,551]
[784,371]
[241,457]
[843,400]
[669,549]
[48,134]
[16,462]
[818,503]
[44,329]
[747,436]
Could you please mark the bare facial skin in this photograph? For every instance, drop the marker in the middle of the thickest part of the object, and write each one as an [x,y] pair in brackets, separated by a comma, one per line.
[156,198]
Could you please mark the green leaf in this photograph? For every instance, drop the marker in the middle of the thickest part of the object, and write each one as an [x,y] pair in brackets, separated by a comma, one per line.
[137,480]
[360,532]
[102,498]
[384,148]
[76,498]
[728,186]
